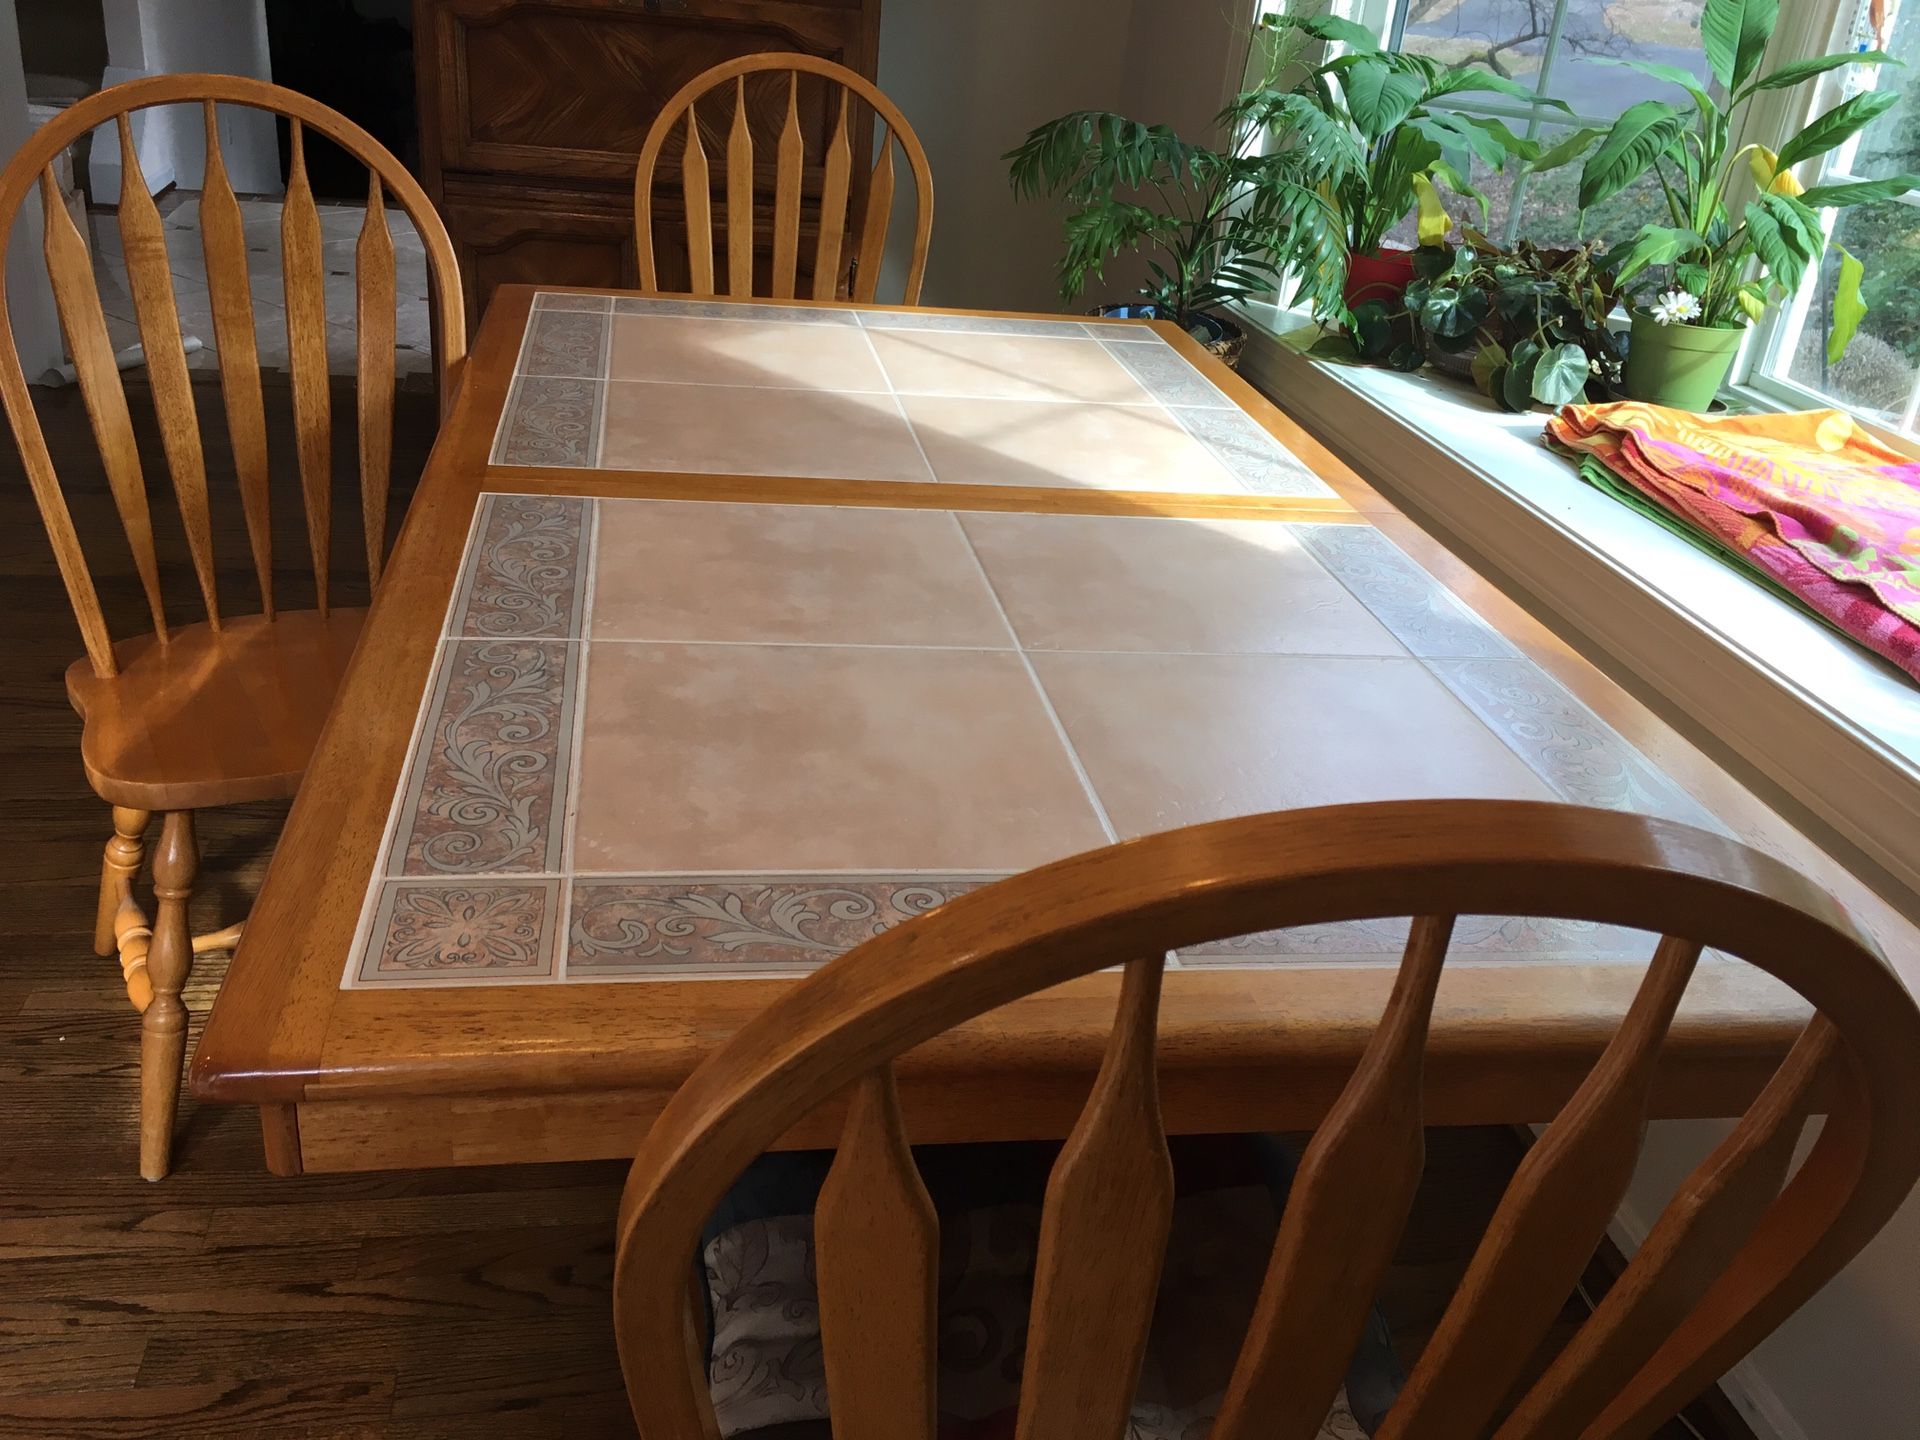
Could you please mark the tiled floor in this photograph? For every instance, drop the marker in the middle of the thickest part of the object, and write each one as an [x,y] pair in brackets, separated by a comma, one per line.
[339,232]
[672,738]
[689,386]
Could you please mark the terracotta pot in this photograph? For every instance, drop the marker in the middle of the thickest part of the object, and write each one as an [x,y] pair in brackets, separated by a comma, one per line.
[1383,276]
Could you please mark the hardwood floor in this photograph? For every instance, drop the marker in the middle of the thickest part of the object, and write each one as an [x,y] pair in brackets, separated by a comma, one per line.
[224,1302]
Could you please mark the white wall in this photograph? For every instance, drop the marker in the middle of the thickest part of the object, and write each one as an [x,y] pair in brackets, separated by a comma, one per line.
[975,78]
[36,328]
[166,37]
[1846,1366]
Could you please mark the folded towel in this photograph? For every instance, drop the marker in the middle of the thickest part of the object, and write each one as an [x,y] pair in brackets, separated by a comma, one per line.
[1812,500]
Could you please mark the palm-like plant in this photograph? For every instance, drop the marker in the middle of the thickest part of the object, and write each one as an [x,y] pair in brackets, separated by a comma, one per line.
[1223,224]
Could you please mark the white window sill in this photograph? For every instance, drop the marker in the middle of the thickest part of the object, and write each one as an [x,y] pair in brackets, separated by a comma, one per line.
[1834,727]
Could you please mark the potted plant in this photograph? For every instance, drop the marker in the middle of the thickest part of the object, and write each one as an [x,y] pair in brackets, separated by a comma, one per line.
[1721,269]
[1385,101]
[1222,225]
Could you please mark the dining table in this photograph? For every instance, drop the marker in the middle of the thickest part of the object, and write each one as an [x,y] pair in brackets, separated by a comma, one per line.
[723,635]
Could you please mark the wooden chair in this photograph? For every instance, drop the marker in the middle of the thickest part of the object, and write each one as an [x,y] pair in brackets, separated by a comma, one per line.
[227,709]
[1728,1260]
[874,191]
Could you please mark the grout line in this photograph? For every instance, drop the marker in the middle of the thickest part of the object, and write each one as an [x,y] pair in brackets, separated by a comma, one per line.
[1396,654]
[898,405]
[1046,700]
[580,653]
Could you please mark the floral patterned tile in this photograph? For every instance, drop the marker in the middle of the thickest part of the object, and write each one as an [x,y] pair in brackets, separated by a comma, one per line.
[547,300]
[1571,748]
[526,575]
[732,310]
[551,420]
[460,932]
[571,343]
[1240,443]
[1484,937]
[1421,613]
[739,925]
[1166,375]
[487,787]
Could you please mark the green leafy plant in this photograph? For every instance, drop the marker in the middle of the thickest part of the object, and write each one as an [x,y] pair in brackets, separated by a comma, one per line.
[1223,225]
[1534,320]
[1727,268]
[1386,101]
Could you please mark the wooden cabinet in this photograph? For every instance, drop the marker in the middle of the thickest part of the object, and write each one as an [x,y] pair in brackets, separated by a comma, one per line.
[532,113]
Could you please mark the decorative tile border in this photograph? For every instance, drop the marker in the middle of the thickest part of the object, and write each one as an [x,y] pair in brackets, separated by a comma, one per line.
[526,577]
[731,310]
[739,925]
[1168,376]
[1583,758]
[551,421]
[1251,455]
[1419,612]
[548,300]
[1487,937]
[569,343]
[1115,333]
[456,932]
[487,784]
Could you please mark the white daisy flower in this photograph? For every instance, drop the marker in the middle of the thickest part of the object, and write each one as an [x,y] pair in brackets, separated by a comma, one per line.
[1676,306]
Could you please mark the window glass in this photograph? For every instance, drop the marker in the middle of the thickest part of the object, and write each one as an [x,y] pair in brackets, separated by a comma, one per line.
[1876,376]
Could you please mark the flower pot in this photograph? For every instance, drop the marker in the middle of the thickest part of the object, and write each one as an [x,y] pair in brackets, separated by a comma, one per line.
[1681,366]
[1223,339]
[1383,276]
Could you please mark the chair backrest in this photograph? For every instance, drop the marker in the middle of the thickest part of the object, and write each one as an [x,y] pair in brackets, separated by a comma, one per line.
[1737,1250]
[76,296]
[851,98]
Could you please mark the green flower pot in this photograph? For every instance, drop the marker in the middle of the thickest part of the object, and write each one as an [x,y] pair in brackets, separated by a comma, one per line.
[1681,366]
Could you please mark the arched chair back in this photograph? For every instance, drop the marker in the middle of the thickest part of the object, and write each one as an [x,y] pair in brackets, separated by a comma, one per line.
[1741,1245]
[842,182]
[82,319]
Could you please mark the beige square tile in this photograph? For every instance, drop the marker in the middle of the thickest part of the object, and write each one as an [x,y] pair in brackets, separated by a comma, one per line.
[721,430]
[1007,367]
[783,758]
[1102,582]
[1098,447]
[812,574]
[1171,740]
[742,352]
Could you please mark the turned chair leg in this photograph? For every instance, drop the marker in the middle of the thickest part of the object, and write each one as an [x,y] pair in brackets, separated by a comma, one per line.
[163,1025]
[118,870]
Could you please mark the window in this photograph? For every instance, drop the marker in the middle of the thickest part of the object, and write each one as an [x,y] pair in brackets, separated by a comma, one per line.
[1564,50]
[1879,376]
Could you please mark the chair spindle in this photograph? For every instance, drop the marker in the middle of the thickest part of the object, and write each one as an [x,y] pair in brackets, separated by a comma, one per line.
[699,204]
[1103,1238]
[1333,1251]
[740,197]
[223,240]
[873,232]
[1547,1224]
[877,1258]
[376,321]
[70,269]
[143,242]
[305,271]
[833,208]
[786,196]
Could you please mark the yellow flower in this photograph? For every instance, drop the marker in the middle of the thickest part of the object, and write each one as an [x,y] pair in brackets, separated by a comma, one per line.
[1767,173]
[1785,184]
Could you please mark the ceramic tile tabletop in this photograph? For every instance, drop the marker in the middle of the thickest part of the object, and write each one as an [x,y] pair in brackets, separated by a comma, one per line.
[699,739]
[720,387]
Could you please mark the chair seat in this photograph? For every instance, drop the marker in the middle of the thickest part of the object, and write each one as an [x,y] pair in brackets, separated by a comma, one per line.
[213,717]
